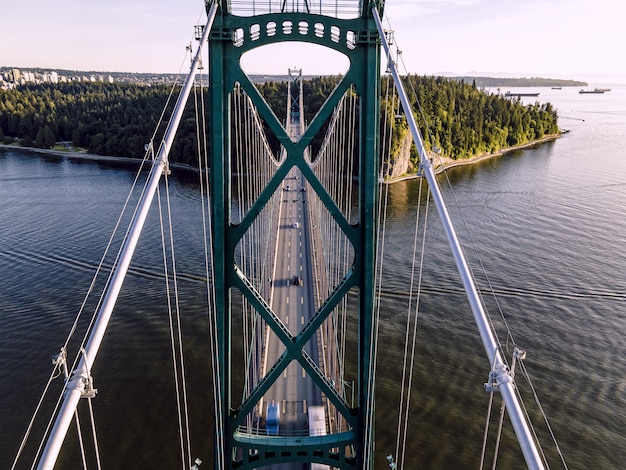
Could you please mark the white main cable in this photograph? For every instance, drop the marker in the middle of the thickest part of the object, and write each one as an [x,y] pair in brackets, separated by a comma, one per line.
[81,375]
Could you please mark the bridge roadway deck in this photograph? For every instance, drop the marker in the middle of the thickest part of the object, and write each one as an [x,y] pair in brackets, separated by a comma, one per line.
[293,302]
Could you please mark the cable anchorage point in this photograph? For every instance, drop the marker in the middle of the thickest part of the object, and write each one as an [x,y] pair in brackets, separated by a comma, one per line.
[60,360]
[499,375]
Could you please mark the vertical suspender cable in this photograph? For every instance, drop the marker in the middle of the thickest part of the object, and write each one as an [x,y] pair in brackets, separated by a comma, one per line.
[80,376]
[502,376]
[210,285]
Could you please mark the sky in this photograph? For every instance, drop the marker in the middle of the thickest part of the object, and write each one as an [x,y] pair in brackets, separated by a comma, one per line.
[547,38]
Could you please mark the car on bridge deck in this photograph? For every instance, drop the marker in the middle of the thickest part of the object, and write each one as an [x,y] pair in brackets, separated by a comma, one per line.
[297,281]
[272,420]
[295,225]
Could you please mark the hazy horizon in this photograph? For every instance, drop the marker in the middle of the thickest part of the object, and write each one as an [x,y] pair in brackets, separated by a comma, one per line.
[618,79]
[530,38]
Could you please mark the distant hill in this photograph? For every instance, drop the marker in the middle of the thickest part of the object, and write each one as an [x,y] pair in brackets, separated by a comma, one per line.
[140,77]
[493,82]
[161,78]
[281,78]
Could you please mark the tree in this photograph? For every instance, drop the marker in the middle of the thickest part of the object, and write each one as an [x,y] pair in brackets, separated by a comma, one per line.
[39,140]
[48,137]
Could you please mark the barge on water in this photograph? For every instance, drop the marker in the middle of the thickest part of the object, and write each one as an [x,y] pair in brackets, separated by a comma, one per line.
[508,93]
[595,91]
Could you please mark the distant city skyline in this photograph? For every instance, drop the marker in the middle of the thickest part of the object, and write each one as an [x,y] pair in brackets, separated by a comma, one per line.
[548,38]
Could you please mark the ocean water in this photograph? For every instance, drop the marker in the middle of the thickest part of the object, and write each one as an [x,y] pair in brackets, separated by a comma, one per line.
[548,225]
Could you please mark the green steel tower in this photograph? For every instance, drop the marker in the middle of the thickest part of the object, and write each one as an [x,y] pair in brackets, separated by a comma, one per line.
[241,26]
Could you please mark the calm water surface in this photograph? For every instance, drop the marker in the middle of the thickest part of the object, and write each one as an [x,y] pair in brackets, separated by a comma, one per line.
[548,224]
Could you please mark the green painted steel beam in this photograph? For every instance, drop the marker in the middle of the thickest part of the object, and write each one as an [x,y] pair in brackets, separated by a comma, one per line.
[276,450]
[230,38]
[338,34]
[294,345]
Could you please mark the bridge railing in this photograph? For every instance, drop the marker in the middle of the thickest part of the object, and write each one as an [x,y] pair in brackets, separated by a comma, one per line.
[346,9]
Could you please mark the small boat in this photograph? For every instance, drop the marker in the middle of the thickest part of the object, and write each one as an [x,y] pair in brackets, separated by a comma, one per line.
[557,88]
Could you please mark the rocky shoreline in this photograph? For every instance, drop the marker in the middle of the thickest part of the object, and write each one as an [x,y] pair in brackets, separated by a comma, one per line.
[444,163]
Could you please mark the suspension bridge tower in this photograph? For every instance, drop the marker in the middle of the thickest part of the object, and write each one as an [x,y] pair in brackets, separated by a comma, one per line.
[242,440]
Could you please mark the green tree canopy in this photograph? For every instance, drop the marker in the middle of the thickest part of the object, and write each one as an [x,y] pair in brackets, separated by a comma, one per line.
[119,119]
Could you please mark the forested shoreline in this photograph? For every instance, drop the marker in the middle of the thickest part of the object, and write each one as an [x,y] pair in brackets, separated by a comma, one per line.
[460,120]
[104,119]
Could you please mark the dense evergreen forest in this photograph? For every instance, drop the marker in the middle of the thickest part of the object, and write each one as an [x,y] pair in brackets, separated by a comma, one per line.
[457,118]
[106,119]
[462,121]
[119,119]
